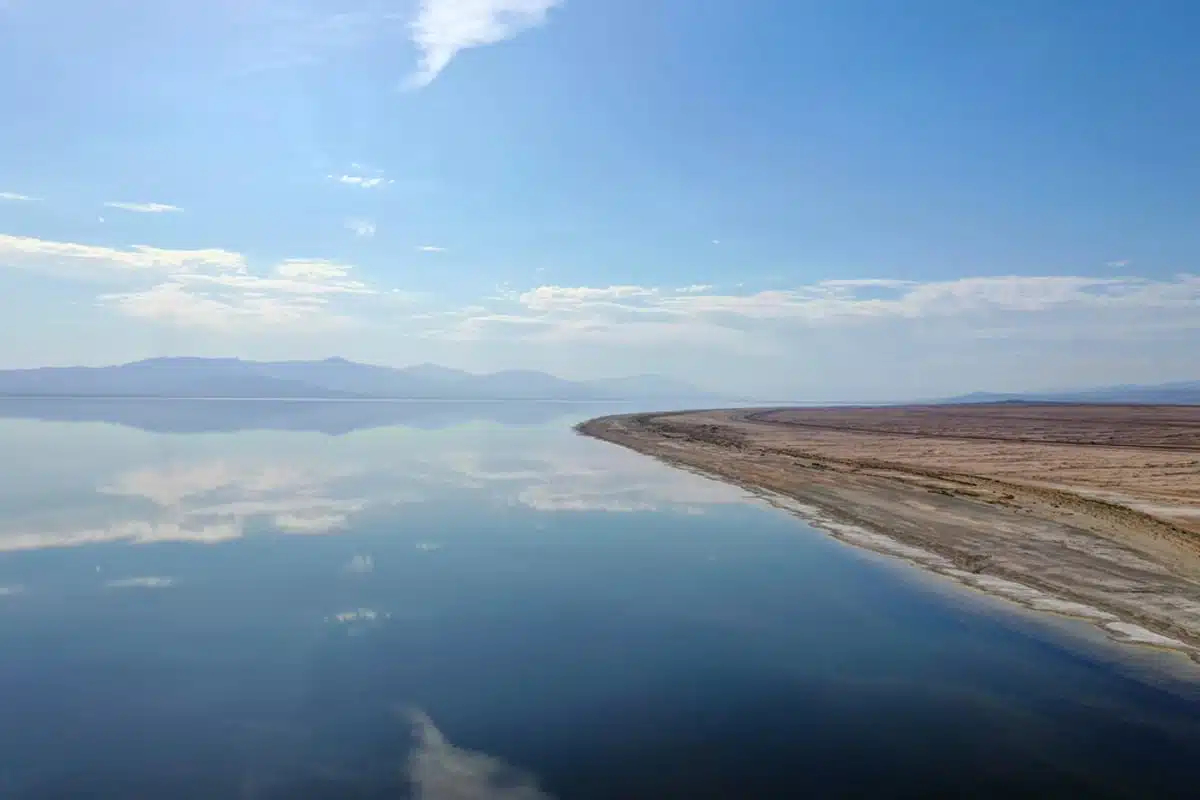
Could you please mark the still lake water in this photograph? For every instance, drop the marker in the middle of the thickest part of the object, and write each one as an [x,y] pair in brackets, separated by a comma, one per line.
[345,600]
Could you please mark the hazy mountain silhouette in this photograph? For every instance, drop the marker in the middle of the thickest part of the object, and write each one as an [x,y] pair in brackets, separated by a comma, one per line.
[1176,393]
[330,378]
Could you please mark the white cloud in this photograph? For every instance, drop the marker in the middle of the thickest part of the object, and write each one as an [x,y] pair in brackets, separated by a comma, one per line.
[99,261]
[173,303]
[443,28]
[860,283]
[1120,264]
[546,298]
[616,313]
[293,276]
[207,288]
[145,208]
[429,248]
[860,298]
[178,303]
[313,269]
[362,180]
[364,228]
[15,197]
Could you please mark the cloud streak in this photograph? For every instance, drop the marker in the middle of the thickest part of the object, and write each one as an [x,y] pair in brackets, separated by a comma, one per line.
[444,28]
[145,208]
[15,197]
[362,181]
[98,261]
[204,288]
[614,313]
[295,293]
[845,300]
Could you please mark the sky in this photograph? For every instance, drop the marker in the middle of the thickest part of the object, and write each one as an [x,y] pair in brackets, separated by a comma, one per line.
[801,199]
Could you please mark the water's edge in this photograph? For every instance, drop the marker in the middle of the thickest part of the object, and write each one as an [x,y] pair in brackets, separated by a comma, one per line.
[877,539]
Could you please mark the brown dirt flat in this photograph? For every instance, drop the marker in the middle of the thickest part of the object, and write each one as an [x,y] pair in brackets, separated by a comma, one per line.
[1095,504]
[1144,457]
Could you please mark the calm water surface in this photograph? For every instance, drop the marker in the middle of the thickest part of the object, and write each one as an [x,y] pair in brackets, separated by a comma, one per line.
[342,600]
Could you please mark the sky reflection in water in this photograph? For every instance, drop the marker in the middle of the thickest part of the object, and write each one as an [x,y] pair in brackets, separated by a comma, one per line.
[477,603]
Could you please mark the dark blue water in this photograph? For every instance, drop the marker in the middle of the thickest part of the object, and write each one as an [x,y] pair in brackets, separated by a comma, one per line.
[342,600]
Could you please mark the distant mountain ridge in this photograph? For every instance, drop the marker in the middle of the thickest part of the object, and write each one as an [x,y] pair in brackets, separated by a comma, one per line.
[331,378]
[1174,393]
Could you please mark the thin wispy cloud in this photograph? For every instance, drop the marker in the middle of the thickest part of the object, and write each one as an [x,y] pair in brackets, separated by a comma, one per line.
[1119,264]
[144,208]
[364,228]
[205,288]
[362,181]
[882,298]
[545,298]
[429,248]
[444,28]
[16,197]
[296,293]
[97,261]
[629,313]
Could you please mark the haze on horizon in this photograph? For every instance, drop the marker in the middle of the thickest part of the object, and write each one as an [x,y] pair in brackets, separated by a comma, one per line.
[819,200]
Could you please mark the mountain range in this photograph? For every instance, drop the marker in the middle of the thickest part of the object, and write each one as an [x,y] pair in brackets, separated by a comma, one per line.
[332,378]
[339,378]
[1176,393]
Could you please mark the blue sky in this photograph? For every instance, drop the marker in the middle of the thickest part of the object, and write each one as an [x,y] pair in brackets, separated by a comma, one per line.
[846,199]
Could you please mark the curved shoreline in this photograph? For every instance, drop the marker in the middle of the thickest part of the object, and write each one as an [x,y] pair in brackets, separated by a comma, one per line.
[1020,549]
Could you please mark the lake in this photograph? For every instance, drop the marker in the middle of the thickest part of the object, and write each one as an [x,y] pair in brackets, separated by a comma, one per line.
[211,599]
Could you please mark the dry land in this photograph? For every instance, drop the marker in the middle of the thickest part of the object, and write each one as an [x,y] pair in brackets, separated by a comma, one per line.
[1088,510]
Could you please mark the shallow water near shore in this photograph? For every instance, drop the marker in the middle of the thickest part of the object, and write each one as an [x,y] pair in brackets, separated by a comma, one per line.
[323,600]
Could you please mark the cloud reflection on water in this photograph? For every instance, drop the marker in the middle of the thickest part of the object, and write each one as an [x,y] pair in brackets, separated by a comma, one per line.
[440,771]
[215,488]
[149,582]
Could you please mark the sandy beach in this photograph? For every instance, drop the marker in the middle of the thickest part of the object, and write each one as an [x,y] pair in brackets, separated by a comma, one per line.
[1091,511]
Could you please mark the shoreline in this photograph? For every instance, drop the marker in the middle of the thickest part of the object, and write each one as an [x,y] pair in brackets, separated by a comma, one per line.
[1138,588]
